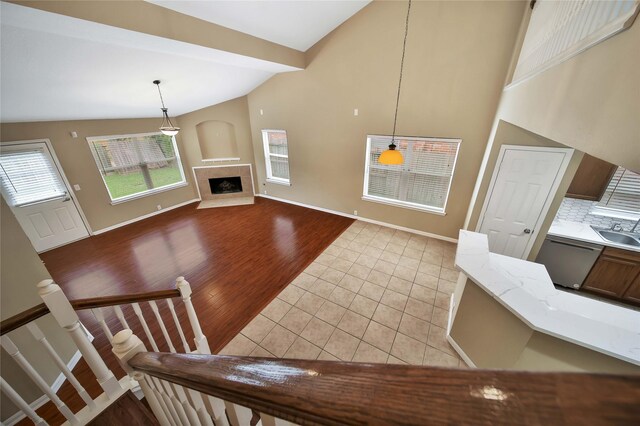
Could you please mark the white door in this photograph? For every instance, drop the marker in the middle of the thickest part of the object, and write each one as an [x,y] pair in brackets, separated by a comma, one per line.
[521,190]
[36,192]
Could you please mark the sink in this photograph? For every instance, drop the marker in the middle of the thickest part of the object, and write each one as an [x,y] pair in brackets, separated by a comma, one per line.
[618,237]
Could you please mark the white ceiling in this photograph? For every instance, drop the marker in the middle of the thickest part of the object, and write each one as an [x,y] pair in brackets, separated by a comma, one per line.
[296,24]
[55,67]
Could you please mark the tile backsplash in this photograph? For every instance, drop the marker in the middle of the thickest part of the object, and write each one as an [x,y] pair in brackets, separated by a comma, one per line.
[575,210]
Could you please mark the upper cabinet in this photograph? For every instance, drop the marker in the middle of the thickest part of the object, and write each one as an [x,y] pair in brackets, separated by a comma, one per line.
[591,179]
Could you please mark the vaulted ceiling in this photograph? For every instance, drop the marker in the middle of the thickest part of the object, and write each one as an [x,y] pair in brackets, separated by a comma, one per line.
[57,66]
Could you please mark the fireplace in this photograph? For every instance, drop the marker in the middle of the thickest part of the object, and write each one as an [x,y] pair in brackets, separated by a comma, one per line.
[225,185]
[222,186]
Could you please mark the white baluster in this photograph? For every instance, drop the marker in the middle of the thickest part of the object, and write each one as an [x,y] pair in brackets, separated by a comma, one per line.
[151,397]
[152,385]
[185,345]
[39,336]
[238,415]
[67,318]
[197,402]
[98,313]
[215,406]
[12,350]
[167,400]
[189,411]
[200,339]
[168,390]
[21,403]
[156,312]
[145,327]
[118,310]
[125,345]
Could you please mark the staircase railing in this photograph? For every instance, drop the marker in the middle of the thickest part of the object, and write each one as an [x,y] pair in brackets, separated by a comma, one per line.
[102,308]
[197,388]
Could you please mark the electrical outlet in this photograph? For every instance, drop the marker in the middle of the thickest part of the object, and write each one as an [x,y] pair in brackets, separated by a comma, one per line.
[355,212]
[159,207]
[76,187]
[355,112]
[261,112]
[265,192]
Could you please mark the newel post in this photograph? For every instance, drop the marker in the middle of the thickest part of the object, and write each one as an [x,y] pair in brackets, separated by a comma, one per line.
[125,345]
[66,317]
[202,345]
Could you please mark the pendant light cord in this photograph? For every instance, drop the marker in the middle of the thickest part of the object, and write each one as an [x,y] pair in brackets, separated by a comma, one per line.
[160,93]
[404,47]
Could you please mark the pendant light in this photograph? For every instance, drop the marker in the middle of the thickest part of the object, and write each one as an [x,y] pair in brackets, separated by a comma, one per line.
[392,156]
[167,126]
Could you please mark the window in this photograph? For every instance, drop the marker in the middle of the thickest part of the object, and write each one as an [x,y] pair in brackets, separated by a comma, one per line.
[622,196]
[421,183]
[133,166]
[29,177]
[276,156]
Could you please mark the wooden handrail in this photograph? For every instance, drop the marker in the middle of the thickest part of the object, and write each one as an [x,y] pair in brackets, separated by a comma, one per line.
[41,310]
[331,393]
[101,302]
[23,318]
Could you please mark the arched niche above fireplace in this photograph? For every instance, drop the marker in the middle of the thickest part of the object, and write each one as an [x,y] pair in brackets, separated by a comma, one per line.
[217,141]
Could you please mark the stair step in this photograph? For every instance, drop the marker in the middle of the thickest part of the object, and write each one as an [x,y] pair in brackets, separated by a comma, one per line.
[127,410]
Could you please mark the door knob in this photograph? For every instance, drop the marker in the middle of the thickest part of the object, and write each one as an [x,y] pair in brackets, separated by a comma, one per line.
[527,231]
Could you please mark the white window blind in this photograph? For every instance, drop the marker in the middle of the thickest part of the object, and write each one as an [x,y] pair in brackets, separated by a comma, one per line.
[276,154]
[623,192]
[29,177]
[559,30]
[137,165]
[421,182]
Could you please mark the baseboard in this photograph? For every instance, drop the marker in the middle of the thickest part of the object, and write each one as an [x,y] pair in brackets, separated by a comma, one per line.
[146,216]
[57,384]
[364,219]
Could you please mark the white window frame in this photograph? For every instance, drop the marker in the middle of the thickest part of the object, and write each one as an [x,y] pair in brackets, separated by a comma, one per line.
[183,181]
[267,155]
[408,204]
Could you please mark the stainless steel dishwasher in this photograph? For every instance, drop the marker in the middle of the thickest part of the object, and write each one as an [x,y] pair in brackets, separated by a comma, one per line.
[568,261]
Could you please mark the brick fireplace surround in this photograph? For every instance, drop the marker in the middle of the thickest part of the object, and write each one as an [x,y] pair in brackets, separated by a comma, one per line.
[209,200]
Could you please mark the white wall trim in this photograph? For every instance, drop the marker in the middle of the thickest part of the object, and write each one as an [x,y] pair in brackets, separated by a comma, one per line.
[364,219]
[139,218]
[57,384]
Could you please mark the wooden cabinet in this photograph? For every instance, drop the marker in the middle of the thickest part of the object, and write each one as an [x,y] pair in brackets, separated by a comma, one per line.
[591,179]
[616,275]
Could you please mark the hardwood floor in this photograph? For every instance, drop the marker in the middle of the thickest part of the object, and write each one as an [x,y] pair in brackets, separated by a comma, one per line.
[237,259]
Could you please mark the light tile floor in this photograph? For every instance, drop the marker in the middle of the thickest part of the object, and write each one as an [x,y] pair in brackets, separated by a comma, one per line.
[375,295]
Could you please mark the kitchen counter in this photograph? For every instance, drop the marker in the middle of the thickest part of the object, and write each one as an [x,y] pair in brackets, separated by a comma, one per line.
[583,232]
[525,289]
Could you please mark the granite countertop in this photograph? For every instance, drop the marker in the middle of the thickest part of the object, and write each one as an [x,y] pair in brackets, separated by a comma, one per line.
[527,291]
[583,232]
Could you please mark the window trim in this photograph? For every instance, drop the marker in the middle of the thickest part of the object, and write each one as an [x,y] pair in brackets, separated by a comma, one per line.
[408,204]
[148,192]
[267,155]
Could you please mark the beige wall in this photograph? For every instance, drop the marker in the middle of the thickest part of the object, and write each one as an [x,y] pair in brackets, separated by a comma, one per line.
[590,102]
[234,112]
[457,58]
[508,134]
[20,270]
[80,167]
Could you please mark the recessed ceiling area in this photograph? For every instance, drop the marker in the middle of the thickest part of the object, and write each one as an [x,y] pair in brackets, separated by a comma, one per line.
[295,24]
[56,67]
